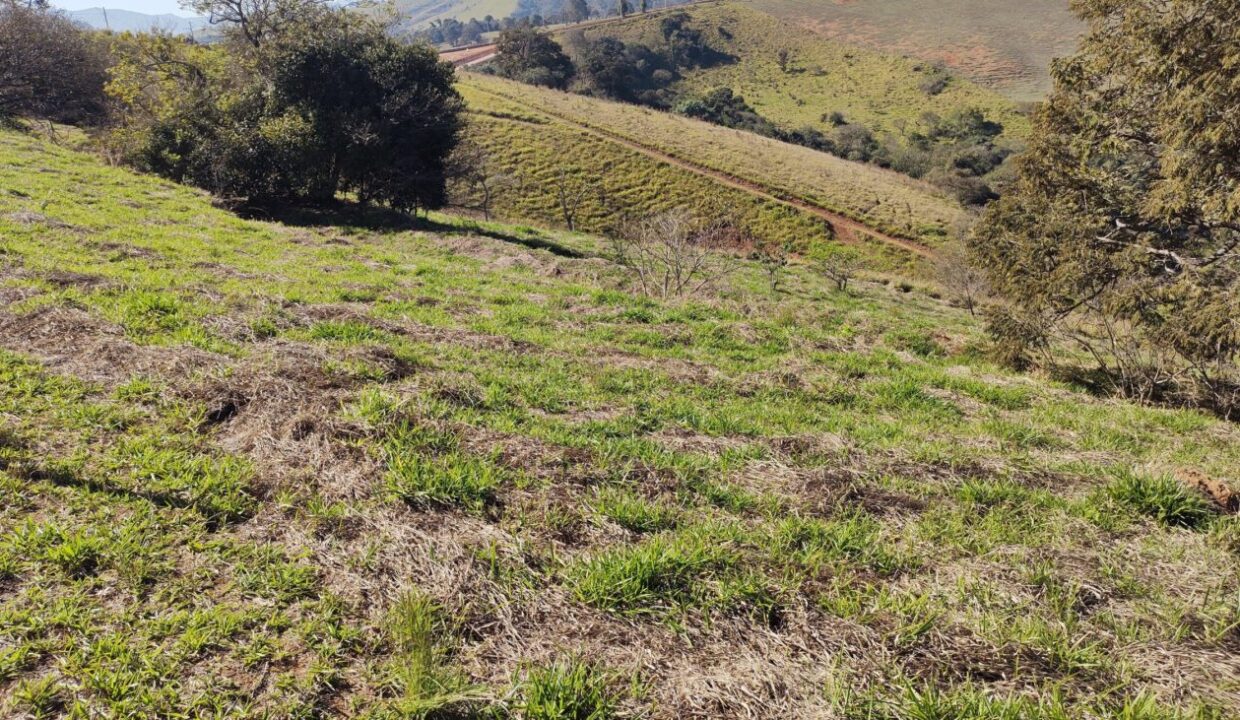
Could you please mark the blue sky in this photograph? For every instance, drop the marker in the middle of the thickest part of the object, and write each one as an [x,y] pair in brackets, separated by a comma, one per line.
[152,7]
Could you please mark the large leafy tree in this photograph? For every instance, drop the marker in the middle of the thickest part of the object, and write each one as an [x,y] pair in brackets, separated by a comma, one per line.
[321,102]
[531,56]
[1122,231]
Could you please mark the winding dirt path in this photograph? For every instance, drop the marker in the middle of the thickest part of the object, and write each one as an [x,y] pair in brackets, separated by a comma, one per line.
[846,229]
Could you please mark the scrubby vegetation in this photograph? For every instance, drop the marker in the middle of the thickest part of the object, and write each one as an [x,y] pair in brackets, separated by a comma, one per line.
[301,102]
[734,443]
[49,67]
[253,469]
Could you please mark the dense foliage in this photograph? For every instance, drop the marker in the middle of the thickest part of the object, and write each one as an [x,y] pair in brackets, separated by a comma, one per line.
[323,104]
[49,67]
[1122,232]
[532,57]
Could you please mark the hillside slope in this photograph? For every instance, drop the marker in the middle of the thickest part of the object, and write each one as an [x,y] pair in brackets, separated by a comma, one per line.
[1005,44]
[822,77]
[534,131]
[250,469]
[420,13]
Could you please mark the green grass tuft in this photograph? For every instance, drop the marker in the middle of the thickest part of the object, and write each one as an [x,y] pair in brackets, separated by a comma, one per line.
[1162,498]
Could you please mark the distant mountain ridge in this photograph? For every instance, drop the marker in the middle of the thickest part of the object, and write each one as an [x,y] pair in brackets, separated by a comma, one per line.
[129,21]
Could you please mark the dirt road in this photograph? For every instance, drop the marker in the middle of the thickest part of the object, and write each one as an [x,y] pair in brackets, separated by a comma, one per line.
[846,229]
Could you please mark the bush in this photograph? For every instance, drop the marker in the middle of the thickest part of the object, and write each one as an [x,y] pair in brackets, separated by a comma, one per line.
[49,67]
[326,106]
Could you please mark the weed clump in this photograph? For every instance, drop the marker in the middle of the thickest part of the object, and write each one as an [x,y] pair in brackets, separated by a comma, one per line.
[1162,498]
[568,690]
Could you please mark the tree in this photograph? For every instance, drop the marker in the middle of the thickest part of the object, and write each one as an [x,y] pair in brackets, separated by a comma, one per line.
[531,56]
[571,192]
[312,111]
[839,264]
[965,284]
[673,255]
[773,257]
[1122,229]
[624,8]
[645,6]
[605,67]
[578,10]
[474,178]
[384,116]
[256,20]
[49,67]
[783,58]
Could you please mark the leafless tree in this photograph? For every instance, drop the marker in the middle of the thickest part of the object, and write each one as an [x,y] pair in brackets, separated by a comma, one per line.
[774,258]
[571,193]
[255,20]
[49,67]
[474,178]
[673,255]
[964,282]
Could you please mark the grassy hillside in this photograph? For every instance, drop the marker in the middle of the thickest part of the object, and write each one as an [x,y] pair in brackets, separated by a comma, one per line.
[531,149]
[534,131]
[1005,44]
[881,92]
[421,13]
[252,469]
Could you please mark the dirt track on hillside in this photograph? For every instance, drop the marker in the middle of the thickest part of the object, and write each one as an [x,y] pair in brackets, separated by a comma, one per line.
[848,230]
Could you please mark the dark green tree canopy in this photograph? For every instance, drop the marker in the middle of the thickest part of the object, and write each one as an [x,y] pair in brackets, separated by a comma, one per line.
[1122,229]
[531,56]
[321,103]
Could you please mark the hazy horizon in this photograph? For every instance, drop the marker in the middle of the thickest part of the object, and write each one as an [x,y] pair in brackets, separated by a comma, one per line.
[150,7]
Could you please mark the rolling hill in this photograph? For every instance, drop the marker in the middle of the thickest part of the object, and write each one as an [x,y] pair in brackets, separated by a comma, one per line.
[655,160]
[343,466]
[883,92]
[420,13]
[130,21]
[1005,44]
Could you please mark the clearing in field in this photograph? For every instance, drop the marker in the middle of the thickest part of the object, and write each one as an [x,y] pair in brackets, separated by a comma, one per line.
[333,468]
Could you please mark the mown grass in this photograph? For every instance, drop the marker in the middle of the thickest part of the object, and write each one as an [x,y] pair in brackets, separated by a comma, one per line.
[882,92]
[369,471]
